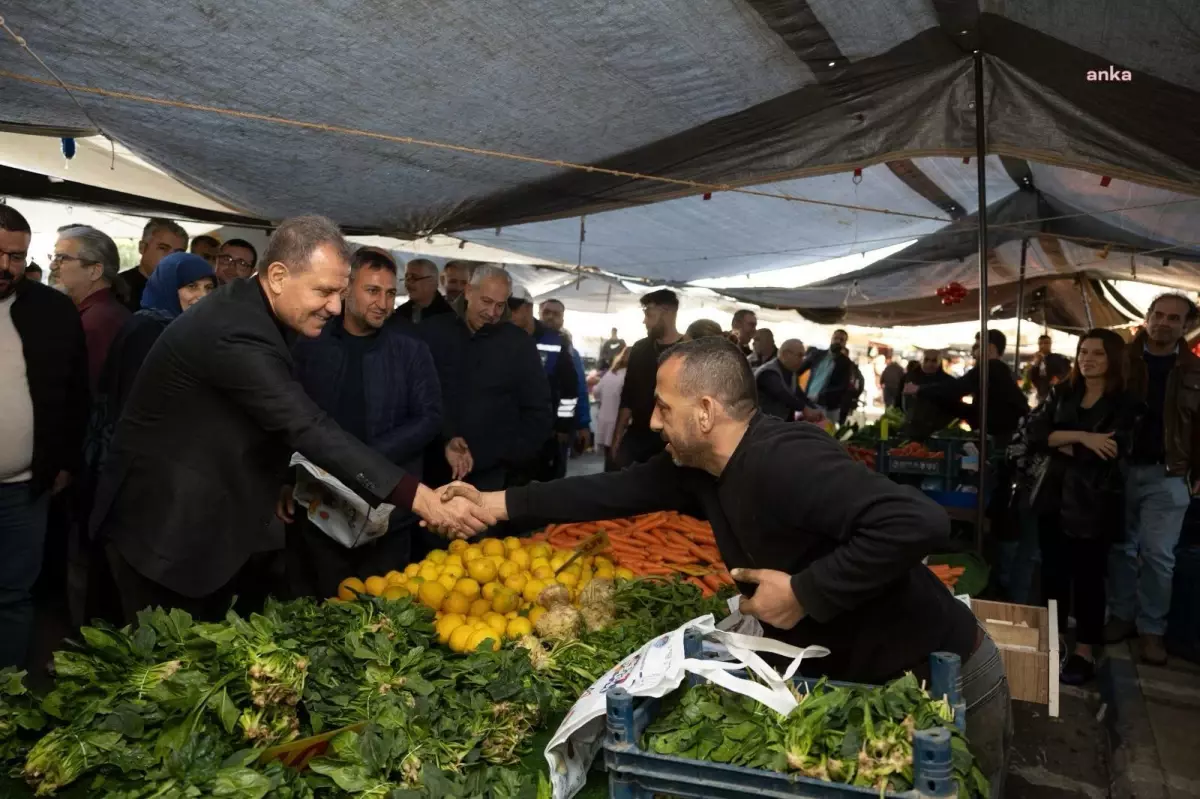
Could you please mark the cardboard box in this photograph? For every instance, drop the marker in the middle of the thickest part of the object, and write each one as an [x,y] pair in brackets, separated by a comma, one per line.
[1027,638]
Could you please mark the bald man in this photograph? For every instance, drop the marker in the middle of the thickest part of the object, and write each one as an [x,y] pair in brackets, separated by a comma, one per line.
[779,393]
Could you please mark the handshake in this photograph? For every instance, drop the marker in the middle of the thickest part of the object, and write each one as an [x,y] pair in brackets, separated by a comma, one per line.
[459,510]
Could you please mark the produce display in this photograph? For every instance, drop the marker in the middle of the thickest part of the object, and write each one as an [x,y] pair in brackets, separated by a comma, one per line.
[915,449]
[870,434]
[170,708]
[864,455]
[663,544]
[947,574]
[856,735]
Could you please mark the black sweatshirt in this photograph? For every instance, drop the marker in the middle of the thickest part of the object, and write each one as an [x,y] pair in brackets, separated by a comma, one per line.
[792,500]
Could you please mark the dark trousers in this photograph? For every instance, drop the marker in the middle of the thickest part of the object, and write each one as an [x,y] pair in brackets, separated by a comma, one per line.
[22,538]
[316,564]
[1073,574]
[245,592]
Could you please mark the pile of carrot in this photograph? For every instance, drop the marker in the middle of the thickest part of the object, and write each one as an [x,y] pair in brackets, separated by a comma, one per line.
[662,544]
[947,574]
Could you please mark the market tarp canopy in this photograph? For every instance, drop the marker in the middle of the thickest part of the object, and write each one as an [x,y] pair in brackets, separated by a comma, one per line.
[275,110]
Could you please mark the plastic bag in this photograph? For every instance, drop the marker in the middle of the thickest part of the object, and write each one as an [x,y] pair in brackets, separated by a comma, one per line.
[657,669]
[334,509]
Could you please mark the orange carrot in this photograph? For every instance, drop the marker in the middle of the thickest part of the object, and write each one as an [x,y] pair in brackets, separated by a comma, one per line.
[704,589]
[712,581]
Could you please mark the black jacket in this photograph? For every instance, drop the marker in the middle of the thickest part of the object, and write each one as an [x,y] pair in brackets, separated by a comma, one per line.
[778,393]
[438,307]
[400,387]
[1006,403]
[496,394]
[202,446]
[559,364]
[791,499]
[1086,491]
[55,353]
[836,391]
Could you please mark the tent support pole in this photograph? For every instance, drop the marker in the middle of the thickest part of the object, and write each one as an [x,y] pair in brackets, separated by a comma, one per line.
[1020,309]
[981,362]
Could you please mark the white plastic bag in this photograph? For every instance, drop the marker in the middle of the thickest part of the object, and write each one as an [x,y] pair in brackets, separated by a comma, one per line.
[333,508]
[657,669]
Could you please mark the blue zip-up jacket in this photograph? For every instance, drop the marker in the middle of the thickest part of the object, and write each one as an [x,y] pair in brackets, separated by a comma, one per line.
[583,411]
[400,385]
[564,382]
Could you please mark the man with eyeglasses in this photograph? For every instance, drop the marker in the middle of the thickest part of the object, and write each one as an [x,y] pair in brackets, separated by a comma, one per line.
[421,285]
[237,260]
[160,238]
[43,415]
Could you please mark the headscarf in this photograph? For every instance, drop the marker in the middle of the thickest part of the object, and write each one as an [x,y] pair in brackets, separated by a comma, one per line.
[160,298]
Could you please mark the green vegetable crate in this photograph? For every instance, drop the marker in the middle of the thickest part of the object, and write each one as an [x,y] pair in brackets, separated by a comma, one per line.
[635,773]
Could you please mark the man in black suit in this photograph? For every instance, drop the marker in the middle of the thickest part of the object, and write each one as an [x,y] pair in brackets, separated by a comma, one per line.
[199,455]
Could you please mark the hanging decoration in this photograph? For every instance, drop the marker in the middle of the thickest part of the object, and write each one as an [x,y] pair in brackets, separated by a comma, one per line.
[952,293]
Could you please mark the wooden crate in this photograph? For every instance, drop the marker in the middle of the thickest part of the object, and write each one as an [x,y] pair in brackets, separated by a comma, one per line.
[1030,652]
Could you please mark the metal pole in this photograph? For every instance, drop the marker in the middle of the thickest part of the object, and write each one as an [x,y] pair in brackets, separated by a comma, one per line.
[1020,310]
[981,363]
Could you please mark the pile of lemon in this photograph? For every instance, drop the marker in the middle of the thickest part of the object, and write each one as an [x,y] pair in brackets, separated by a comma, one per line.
[486,591]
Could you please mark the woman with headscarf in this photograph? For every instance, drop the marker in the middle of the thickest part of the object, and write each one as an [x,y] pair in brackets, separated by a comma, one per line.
[178,282]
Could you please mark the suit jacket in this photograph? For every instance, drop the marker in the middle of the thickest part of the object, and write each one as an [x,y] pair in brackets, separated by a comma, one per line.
[201,450]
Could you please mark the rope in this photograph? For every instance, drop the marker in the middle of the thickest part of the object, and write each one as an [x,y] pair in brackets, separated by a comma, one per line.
[456,148]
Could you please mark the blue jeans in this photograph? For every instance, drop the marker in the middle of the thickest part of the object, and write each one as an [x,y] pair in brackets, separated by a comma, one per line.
[22,536]
[1155,504]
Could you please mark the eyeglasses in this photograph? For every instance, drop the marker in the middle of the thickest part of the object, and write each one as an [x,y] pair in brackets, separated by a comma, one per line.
[15,257]
[236,263]
[417,278]
[58,259]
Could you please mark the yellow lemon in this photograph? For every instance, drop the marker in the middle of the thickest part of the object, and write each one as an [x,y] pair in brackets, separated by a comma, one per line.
[416,580]
[454,570]
[437,556]
[543,573]
[395,578]
[395,592]
[568,579]
[540,550]
[512,544]
[492,546]
[457,546]
[471,553]
[518,627]
[505,600]
[376,585]
[351,587]
[512,614]
[600,560]
[432,595]
[447,581]
[467,587]
[412,569]
[623,574]
[480,636]
[536,563]
[507,569]
[497,559]
[429,574]
[605,573]
[460,636]
[448,625]
[457,603]
[482,570]
[453,558]
[557,561]
[480,606]
[520,557]
[516,582]
[535,613]
[497,622]
[533,589]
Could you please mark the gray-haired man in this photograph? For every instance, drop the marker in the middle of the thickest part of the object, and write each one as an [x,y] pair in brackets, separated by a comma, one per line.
[160,238]
[85,266]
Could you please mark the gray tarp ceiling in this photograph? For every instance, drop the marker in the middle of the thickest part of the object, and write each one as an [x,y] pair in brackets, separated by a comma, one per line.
[785,96]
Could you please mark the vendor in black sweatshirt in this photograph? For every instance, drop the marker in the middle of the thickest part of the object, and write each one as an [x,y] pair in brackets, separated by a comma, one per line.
[825,551]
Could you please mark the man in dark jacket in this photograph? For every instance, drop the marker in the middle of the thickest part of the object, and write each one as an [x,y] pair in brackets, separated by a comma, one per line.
[824,551]
[563,380]
[1164,473]
[634,441]
[424,300]
[199,455]
[43,416]
[779,394]
[497,415]
[832,378]
[553,316]
[1048,368]
[160,238]
[381,387]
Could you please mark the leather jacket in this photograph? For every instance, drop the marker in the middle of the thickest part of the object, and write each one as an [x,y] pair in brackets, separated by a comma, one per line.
[1181,435]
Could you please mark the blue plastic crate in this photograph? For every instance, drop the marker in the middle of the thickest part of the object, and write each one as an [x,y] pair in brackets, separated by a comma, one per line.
[635,773]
